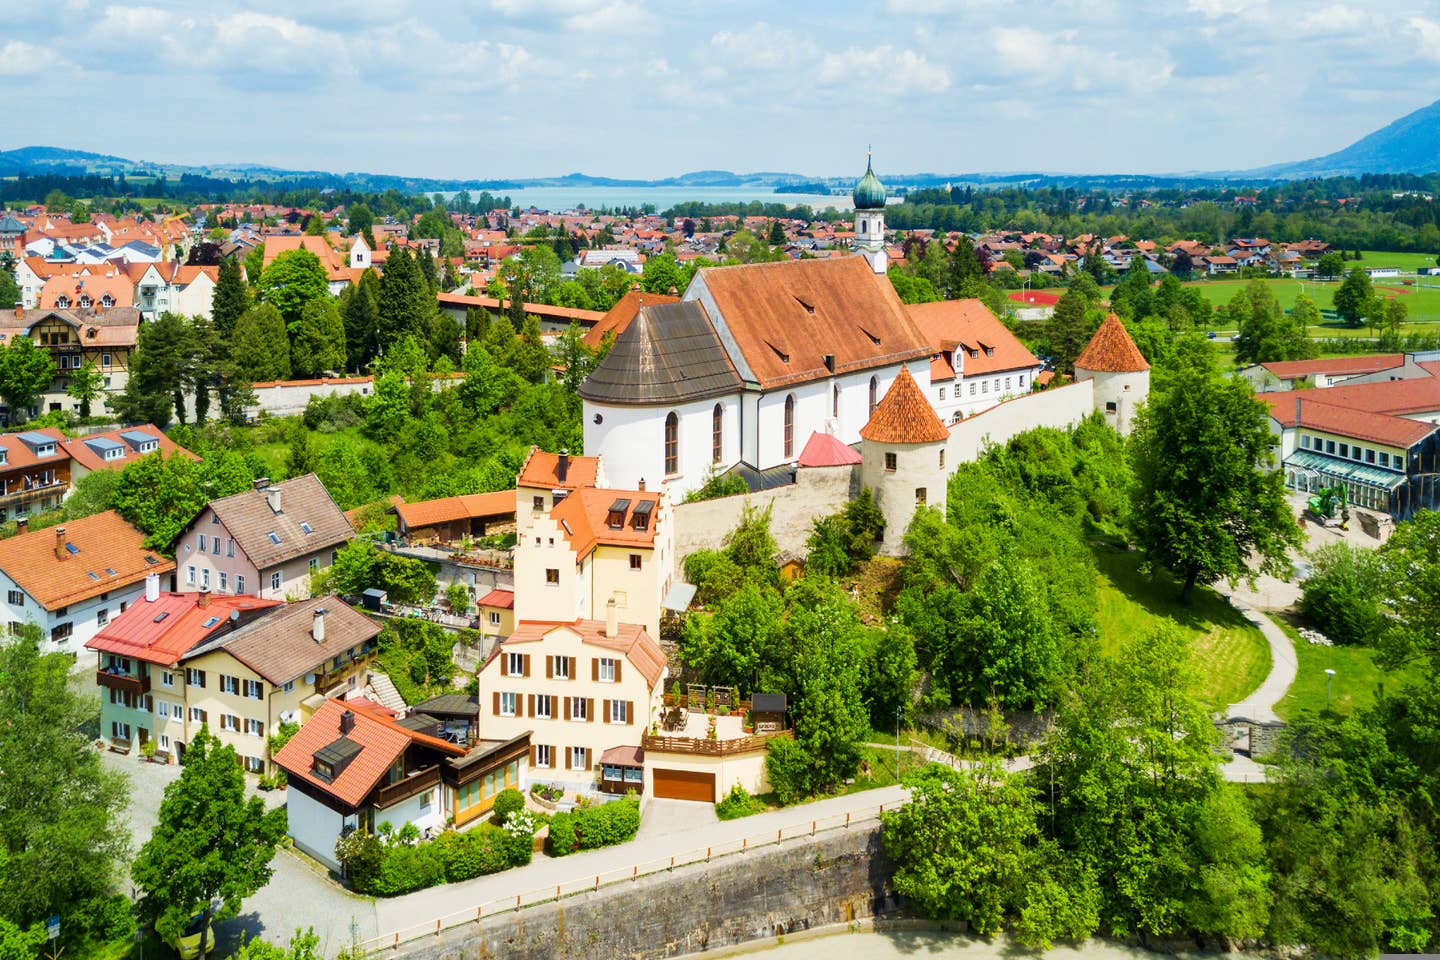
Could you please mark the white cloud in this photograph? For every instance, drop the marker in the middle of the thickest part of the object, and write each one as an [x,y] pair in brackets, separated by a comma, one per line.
[1334,20]
[1428,33]
[763,47]
[18,58]
[1215,9]
[903,71]
[621,16]
[1057,60]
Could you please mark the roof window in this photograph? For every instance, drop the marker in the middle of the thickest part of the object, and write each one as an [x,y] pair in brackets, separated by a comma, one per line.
[616,518]
[161,615]
[210,622]
[640,518]
[306,527]
[274,537]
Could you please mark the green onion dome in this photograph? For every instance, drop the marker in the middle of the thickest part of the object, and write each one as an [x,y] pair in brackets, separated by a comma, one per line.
[869,193]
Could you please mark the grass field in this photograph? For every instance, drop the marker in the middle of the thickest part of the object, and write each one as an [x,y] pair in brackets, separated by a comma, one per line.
[1358,679]
[1422,303]
[1229,655]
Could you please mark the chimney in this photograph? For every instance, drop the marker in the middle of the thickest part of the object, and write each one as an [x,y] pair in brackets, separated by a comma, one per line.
[612,618]
[347,722]
[152,587]
[204,600]
[641,488]
[60,552]
[19,310]
[273,495]
[262,483]
[317,624]
[22,524]
[562,465]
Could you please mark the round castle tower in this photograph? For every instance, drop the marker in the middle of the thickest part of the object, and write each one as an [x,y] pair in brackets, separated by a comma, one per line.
[1120,372]
[902,450]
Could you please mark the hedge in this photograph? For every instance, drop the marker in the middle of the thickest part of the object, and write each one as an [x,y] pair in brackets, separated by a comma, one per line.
[586,828]
[388,869]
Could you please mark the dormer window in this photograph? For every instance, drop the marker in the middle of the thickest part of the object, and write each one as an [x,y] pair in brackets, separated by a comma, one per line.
[640,518]
[85,302]
[62,302]
[107,301]
[615,519]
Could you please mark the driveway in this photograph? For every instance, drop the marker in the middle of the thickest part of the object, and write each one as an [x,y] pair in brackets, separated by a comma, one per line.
[299,893]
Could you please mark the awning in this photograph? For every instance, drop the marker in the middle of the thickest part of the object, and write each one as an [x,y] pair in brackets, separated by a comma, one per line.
[624,756]
[1346,470]
[679,596]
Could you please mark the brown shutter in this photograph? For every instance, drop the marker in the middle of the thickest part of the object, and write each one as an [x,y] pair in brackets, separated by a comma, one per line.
[590,710]
[504,664]
[567,707]
[532,756]
[531,711]
[594,669]
[496,710]
[629,711]
[549,668]
[567,756]
[607,711]
[526,661]
[618,661]
[260,727]
[573,674]
[552,757]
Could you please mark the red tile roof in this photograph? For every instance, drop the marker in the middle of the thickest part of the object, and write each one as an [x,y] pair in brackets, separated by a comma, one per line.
[102,543]
[631,640]
[1395,397]
[540,471]
[428,513]
[903,415]
[86,456]
[584,519]
[964,327]
[1334,366]
[503,599]
[1111,350]
[1316,414]
[163,631]
[826,450]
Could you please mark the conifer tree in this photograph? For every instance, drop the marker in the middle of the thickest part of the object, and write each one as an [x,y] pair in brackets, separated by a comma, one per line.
[231,298]
[964,265]
[359,307]
[319,344]
[259,347]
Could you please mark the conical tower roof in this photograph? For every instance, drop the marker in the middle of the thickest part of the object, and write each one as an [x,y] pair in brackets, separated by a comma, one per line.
[904,415]
[1111,350]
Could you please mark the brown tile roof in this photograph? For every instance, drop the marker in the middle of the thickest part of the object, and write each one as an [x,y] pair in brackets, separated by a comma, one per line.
[1111,350]
[279,645]
[956,326]
[631,640]
[622,313]
[1316,414]
[84,453]
[786,317]
[18,454]
[1334,366]
[584,518]
[903,415]
[1418,395]
[102,543]
[115,327]
[249,519]
[541,470]
[427,513]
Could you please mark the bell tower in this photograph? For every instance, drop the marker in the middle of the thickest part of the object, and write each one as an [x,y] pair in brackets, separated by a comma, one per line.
[869,197]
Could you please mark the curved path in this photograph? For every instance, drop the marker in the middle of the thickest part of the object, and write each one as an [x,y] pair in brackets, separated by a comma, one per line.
[1260,705]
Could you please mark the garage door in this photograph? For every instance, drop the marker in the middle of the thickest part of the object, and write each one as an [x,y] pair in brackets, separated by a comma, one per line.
[684,785]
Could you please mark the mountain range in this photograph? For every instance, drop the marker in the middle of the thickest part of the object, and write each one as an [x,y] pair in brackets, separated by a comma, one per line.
[1410,144]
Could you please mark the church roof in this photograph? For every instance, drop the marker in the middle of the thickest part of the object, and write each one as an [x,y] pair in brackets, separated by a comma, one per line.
[869,192]
[1111,350]
[786,317]
[904,415]
[669,353]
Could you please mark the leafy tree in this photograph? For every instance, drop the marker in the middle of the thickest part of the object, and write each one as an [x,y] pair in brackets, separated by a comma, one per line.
[255,263]
[1266,334]
[662,273]
[1207,504]
[359,219]
[318,345]
[1409,578]
[26,372]
[1341,597]
[230,299]
[212,846]
[303,946]
[1068,330]
[159,371]
[161,494]
[86,385]
[293,279]
[890,674]
[1355,297]
[1331,264]
[9,289]
[63,829]
[731,647]
[260,346]
[360,565]
[91,494]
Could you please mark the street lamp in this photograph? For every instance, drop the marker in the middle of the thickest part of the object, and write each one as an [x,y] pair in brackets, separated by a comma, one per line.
[1329,676]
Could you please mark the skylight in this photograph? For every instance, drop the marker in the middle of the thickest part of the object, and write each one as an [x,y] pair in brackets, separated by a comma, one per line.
[306,527]
[110,570]
[210,623]
[72,548]
[151,560]
[274,537]
[92,575]
[161,615]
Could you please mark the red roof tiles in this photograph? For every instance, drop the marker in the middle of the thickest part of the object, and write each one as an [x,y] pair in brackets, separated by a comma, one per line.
[904,415]
[826,450]
[1111,350]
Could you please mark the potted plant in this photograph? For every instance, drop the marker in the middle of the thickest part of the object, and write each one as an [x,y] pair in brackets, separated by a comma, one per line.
[147,751]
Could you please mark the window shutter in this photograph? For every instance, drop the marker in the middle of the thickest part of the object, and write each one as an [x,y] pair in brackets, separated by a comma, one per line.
[572,675]
[260,728]
[504,664]
[531,710]
[618,661]
[607,711]
[594,669]
[549,668]
[590,710]
[629,711]
[552,757]
[526,661]
[567,711]
[532,755]
[496,696]
[567,757]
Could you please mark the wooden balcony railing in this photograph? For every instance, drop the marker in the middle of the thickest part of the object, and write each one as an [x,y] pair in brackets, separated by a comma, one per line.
[704,746]
[393,793]
[124,682]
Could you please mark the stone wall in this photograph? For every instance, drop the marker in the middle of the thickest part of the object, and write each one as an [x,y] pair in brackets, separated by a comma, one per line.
[836,877]
[817,491]
[1059,407]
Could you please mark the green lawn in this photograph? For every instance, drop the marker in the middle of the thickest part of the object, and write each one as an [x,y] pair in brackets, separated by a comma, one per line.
[1229,655]
[1423,303]
[1407,262]
[1357,677]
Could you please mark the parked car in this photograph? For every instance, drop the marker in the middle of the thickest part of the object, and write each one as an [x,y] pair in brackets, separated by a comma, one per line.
[188,945]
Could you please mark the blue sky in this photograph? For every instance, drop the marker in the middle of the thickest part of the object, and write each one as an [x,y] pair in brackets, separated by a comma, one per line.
[515,88]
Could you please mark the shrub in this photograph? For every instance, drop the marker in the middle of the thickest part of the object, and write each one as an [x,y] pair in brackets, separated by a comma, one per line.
[606,824]
[789,767]
[387,868]
[507,803]
[562,835]
[1339,597]
[738,803]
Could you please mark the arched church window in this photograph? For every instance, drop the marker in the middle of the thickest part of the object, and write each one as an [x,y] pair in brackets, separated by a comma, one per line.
[874,393]
[717,438]
[835,401]
[789,426]
[672,443]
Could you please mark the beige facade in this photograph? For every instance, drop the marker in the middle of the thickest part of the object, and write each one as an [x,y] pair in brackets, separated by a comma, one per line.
[578,700]
[199,565]
[746,769]
[904,478]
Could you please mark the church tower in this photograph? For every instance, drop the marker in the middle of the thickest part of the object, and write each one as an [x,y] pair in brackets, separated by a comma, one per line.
[869,196]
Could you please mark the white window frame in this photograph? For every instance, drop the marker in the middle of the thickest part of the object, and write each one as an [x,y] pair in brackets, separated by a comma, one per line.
[190,576]
[514,664]
[543,753]
[229,685]
[578,758]
[606,671]
[544,706]
[508,703]
[579,710]
[619,708]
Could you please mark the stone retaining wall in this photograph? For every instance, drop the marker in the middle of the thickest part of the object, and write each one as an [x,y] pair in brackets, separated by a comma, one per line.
[836,877]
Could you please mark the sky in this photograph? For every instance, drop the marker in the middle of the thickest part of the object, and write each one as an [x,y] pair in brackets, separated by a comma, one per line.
[652,88]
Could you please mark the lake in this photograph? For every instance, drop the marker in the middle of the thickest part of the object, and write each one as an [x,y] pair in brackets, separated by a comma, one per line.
[926,945]
[555,199]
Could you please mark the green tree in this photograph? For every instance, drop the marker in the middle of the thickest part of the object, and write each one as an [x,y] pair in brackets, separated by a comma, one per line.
[318,345]
[359,219]
[255,263]
[26,372]
[964,267]
[86,385]
[662,274]
[63,829]
[293,279]
[1266,333]
[1341,597]
[212,846]
[1409,579]
[404,303]
[260,347]
[1331,264]
[9,289]
[1207,504]
[161,494]
[1068,330]
[912,289]
[161,369]
[1355,297]
[230,299]
[359,306]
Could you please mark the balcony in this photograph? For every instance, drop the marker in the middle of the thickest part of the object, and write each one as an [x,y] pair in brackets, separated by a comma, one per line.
[708,747]
[13,498]
[416,782]
[136,686]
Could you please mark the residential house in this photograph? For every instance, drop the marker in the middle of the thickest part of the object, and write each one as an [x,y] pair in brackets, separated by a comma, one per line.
[75,335]
[545,479]
[578,688]
[265,542]
[117,449]
[977,361]
[35,469]
[353,767]
[497,613]
[72,580]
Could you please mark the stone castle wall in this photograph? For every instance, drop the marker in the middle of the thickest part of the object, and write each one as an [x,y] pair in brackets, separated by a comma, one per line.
[1059,407]
[817,491]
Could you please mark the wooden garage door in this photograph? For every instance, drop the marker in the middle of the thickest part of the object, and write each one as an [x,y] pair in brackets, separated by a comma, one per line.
[684,785]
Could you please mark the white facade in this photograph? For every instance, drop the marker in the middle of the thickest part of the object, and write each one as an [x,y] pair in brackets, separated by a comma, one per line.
[67,629]
[314,827]
[1118,394]
[904,477]
[870,239]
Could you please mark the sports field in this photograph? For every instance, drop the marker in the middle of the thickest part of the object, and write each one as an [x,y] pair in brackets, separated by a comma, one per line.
[1421,298]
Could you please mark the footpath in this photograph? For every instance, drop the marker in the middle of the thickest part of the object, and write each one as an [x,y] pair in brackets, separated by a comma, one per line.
[1260,705]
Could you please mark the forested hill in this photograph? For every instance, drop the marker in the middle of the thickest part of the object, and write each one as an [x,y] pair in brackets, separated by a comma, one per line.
[1409,145]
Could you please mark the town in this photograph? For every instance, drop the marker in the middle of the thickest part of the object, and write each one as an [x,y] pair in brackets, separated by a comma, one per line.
[587,567]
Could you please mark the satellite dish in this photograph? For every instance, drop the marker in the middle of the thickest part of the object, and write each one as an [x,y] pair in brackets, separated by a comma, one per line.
[234,616]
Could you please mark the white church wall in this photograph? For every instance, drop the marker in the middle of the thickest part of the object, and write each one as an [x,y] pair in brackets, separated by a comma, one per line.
[631,442]
[1059,407]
